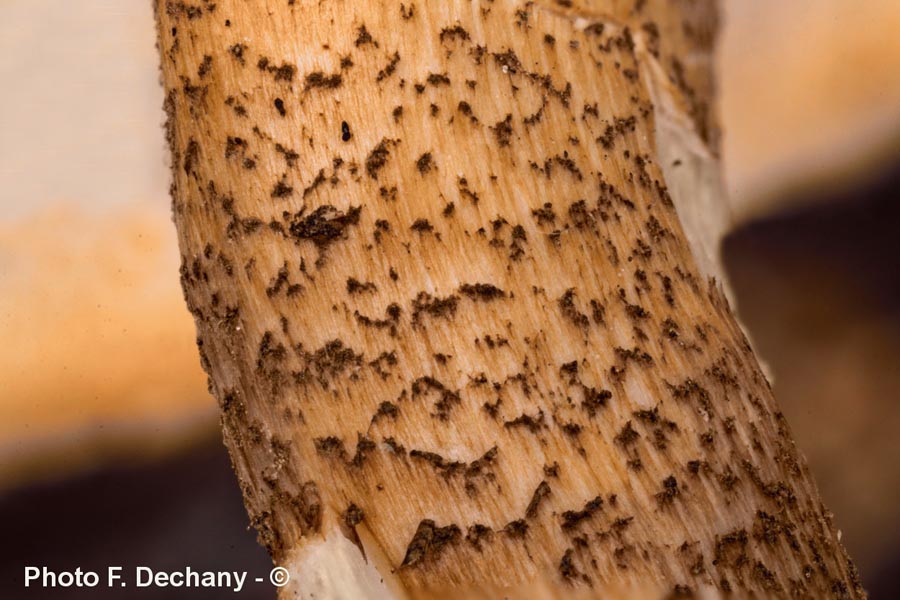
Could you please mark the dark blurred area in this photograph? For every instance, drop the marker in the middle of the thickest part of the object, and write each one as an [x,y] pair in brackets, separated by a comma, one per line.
[183,511]
[818,289]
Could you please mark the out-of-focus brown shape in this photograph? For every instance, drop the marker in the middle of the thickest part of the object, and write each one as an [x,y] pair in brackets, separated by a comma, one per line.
[97,346]
[809,97]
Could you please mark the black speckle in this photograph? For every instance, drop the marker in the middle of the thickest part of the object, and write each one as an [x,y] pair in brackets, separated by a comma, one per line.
[345,132]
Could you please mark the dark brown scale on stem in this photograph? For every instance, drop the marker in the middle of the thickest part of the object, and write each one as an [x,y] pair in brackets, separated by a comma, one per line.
[237,51]
[516,529]
[437,79]
[428,542]
[285,72]
[282,189]
[544,214]
[425,163]
[354,286]
[427,304]
[503,131]
[389,69]
[567,567]
[377,158]
[422,226]
[540,493]
[205,67]
[481,291]
[323,226]
[454,33]
[319,80]
[669,492]
[627,435]
[534,424]
[477,534]
[364,446]
[567,307]
[363,37]
[353,516]
[572,518]
[594,400]
[330,446]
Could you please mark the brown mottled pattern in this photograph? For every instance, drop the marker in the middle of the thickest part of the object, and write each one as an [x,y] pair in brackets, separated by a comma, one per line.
[528,378]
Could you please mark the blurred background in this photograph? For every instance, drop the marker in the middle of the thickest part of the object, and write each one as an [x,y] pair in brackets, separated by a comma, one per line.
[109,445]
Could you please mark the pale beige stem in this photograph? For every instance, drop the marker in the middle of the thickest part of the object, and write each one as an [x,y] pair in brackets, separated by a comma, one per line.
[456,329]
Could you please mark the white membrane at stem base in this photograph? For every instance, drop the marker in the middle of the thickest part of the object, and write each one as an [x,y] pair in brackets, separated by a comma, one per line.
[333,568]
